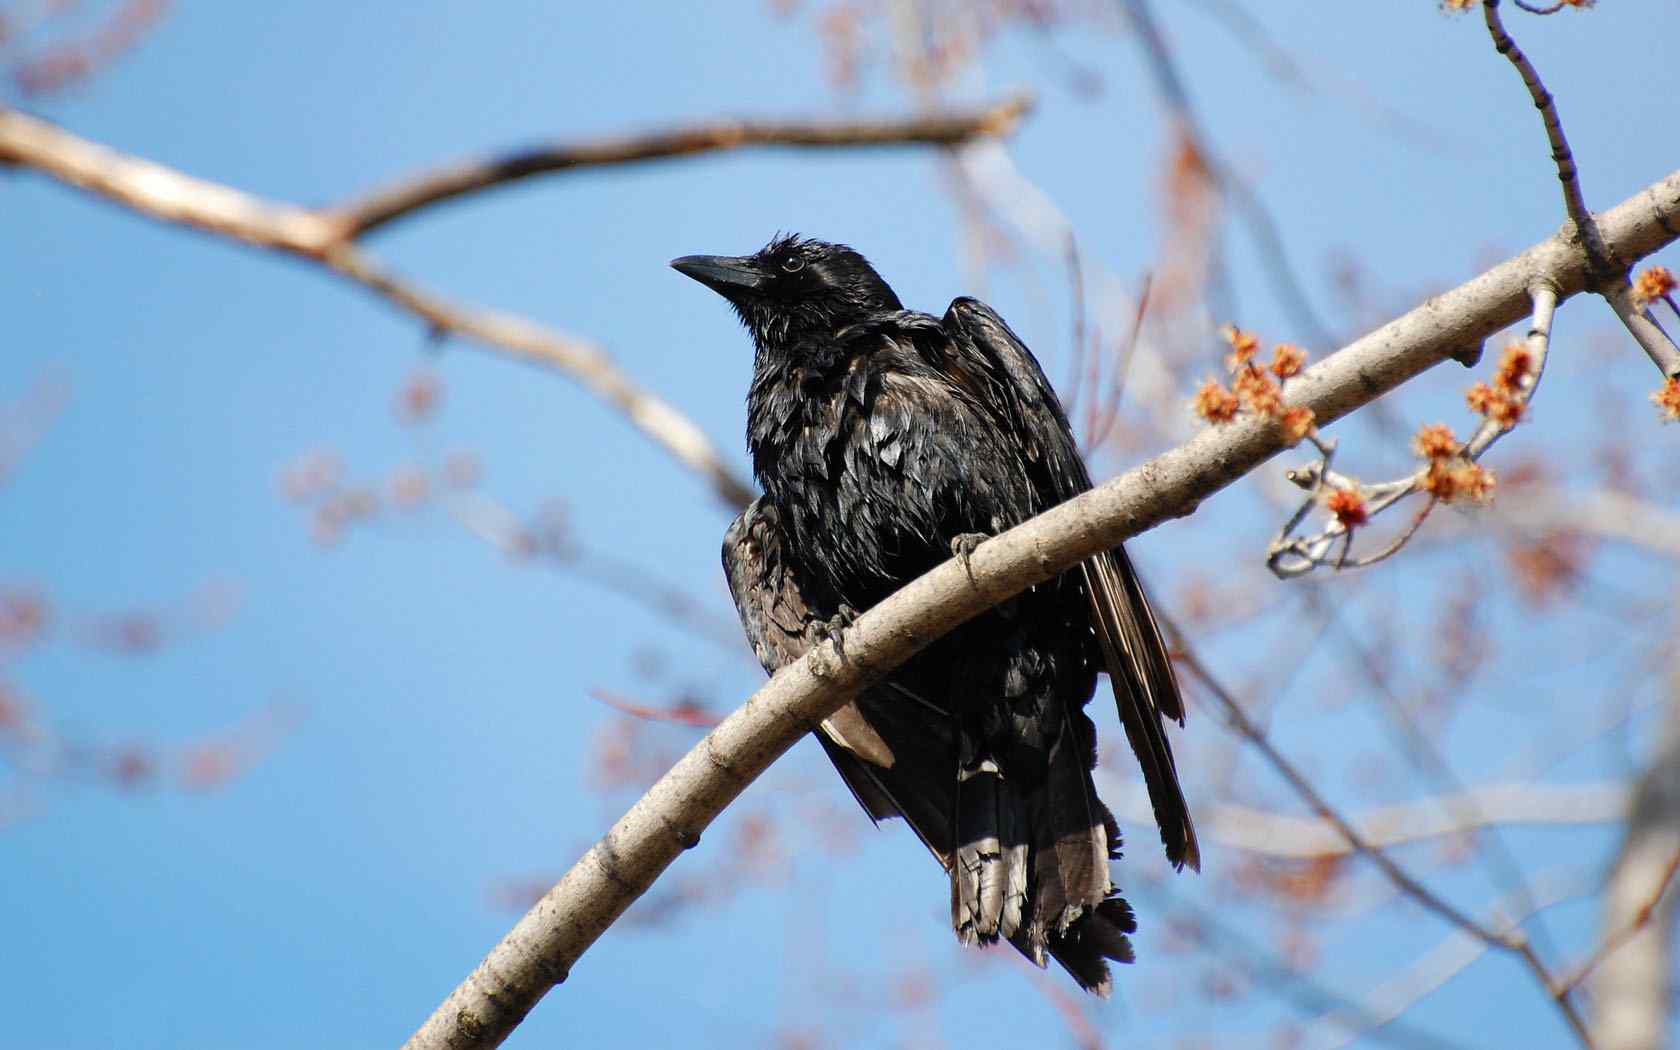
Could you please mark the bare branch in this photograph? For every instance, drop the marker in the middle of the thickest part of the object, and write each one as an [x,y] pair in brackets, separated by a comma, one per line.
[1496,805]
[1392,998]
[1604,513]
[1569,176]
[549,939]
[172,196]
[543,946]
[1643,327]
[588,364]
[323,236]
[160,192]
[407,196]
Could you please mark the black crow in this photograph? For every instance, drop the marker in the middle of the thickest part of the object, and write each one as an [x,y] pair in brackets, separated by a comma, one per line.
[886,441]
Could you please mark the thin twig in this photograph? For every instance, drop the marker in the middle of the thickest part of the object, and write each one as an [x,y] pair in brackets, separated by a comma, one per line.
[520,539]
[1104,425]
[1608,274]
[1569,176]
[1426,758]
[1536,9]
[1288,982]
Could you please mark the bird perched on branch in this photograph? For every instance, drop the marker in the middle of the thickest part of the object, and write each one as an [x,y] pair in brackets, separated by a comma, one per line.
[888,441]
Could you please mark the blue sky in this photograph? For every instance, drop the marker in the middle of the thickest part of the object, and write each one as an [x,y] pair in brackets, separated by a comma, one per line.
[436,694]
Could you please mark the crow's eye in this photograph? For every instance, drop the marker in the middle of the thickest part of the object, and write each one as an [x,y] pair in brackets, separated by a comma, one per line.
[793,264]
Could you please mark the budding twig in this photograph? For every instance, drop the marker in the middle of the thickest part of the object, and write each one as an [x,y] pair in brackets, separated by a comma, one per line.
[1450,471]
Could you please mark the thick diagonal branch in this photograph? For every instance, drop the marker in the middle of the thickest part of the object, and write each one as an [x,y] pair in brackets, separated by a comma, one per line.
[541,949]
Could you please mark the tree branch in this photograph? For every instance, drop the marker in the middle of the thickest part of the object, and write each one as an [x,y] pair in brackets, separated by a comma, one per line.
[1285,835]
[553,935]
[1388,1001]
[586,363]
[1609,271]
[325,236]
[367,213]
[542,947]
[1631,972]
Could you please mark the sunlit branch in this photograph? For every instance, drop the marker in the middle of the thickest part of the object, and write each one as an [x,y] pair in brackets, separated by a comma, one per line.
[409,195]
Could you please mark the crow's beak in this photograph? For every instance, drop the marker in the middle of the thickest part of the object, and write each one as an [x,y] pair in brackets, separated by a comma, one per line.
[723,274]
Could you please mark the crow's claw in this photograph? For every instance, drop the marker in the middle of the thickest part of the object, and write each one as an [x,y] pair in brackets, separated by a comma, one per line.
[832,629]
[962,549]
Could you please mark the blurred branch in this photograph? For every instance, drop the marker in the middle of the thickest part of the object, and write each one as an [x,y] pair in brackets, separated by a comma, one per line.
[1639,918]
[25,421]
[1250,30]
[685,713]
[1510,939]
[1392,998]
[404,197]
[585,362]
[1608,271]
[1292,984]
[1262,227]
[1284,835]
[1604,513]
[325,237]
[1631,972]
[541,949]
[550,539]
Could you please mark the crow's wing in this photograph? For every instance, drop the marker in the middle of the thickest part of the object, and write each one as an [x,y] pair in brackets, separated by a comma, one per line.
[777,619]
[896,752]
[1003,375]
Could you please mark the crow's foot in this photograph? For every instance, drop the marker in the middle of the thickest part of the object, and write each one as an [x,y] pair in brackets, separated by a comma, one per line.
[962,549]
[832,629]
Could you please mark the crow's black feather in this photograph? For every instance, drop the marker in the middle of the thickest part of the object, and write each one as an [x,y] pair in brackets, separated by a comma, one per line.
[881,435]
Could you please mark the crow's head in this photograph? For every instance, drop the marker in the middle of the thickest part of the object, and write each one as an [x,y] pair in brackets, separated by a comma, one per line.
[793,288]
